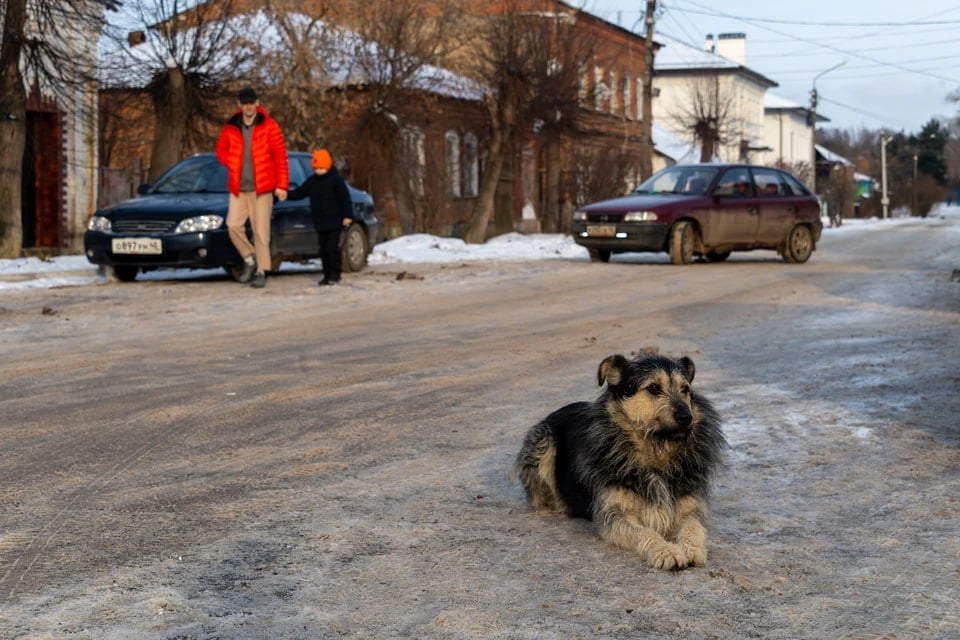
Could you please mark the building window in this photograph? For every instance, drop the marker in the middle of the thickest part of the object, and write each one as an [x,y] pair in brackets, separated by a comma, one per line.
[581,85]
[625,93]
[639,98]
[471,166]
[613,93]
[599,88]
[415,153]
[452,143]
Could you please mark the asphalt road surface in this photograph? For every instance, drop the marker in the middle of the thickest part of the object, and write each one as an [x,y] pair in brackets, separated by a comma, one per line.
[198,459]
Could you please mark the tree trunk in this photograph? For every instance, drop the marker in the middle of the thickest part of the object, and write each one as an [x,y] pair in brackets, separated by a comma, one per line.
[708,147]
[13,130]
[486,197]
[502,118]
[171,108]
[551,212]
[404,200]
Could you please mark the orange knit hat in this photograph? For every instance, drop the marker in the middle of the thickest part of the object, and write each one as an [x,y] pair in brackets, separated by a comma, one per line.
[322,160]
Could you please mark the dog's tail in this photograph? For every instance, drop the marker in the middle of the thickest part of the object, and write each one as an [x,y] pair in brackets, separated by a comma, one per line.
[536,467]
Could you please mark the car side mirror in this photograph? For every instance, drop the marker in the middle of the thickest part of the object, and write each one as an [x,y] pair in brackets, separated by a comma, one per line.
[143,189]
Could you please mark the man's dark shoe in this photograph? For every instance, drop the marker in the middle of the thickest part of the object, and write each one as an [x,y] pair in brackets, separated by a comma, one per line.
[259,280]
[326,282]
[249,266]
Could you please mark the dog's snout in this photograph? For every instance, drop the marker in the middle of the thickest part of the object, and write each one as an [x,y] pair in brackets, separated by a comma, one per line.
[682,415]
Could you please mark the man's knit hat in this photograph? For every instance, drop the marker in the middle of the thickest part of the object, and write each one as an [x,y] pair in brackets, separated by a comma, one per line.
[322,160]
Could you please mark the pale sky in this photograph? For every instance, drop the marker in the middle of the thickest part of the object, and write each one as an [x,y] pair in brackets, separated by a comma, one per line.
[901,59]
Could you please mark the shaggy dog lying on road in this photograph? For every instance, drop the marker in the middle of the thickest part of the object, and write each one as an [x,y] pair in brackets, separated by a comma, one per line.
[638,461]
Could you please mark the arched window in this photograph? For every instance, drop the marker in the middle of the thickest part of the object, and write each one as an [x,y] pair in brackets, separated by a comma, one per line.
[413,147]
[625,93]
[471,166]
[453,163]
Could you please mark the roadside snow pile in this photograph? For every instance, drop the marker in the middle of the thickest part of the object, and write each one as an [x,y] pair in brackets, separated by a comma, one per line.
[427,248]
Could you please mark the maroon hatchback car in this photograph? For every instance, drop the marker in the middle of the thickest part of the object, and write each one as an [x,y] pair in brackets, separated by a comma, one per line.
[706,210]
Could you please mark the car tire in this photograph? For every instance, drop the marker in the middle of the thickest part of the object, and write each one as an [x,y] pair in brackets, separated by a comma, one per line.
[799,245]
[599,255]
[717,256]
[682,240]
[235,271]
[354,249]
[125,273]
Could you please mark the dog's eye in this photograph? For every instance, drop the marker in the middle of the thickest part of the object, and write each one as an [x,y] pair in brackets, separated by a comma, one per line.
[685,389]
[654,390]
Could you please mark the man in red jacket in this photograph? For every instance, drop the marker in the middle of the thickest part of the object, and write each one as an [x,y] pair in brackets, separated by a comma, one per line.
[251,146]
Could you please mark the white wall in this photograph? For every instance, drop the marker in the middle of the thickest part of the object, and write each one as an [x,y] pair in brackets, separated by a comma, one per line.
[747,114]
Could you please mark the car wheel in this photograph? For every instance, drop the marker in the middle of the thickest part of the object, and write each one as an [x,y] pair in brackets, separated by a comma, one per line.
[799,245]
[235,271]
[126,273]
[354,248]
[717,256]
[599,255]
[682,240]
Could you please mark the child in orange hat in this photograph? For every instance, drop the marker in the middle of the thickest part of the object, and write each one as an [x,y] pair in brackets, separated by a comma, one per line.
[332,211]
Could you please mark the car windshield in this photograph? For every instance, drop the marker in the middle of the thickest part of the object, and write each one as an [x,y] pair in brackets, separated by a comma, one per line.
[685,180]
[194,175]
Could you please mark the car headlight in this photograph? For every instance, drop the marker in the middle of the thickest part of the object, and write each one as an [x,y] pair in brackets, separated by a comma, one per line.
[199,223]
[579,216]
[640,216]
[99,223]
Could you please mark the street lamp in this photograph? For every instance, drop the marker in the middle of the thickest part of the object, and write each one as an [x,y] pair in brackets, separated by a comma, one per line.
[884,200]
[813,120]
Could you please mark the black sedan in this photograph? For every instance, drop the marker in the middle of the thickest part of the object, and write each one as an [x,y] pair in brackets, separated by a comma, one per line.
[179,221]
[706,210]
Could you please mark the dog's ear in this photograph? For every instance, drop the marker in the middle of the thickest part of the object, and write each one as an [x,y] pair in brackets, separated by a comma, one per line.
[688,367]
[611,370]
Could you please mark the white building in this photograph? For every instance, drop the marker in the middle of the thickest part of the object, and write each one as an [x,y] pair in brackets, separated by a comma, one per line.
[789,134]
[61,156]
[689,78]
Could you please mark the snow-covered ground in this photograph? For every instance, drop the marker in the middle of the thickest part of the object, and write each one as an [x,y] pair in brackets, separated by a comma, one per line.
[74,270]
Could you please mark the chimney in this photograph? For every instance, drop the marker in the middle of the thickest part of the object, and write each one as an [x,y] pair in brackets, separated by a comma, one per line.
[733,46]
[709,46]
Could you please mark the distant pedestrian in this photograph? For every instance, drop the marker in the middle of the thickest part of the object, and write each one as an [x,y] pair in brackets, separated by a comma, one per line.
[252,148]
[331,208]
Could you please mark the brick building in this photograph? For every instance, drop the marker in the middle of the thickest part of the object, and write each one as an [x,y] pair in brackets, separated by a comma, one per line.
[428,180]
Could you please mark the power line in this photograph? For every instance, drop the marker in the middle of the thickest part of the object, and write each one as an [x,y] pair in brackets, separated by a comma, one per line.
[846,52]
[811,23]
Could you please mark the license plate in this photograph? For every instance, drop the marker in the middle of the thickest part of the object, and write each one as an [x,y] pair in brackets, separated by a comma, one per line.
[602,230]
[137,246]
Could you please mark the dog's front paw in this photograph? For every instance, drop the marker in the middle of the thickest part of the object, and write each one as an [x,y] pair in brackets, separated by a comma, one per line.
[668,556]
[696,555]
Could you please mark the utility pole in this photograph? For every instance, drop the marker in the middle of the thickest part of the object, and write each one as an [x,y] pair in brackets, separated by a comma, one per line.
[813,122]
[884,200]
[646,161]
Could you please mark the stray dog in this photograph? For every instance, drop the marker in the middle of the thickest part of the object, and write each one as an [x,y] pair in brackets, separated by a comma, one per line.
[638,461]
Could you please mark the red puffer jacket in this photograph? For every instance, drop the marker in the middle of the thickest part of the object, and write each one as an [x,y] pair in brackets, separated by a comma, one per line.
[270,170]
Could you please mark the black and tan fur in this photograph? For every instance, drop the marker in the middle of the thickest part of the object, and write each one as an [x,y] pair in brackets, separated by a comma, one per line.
[637,461]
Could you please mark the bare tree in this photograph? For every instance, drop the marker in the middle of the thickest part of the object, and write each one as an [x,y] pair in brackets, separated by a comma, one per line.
[39,49]
[706,115]
[187,58]
[398,56]
[555,105]
[530,62]
[601,174]
[302,62]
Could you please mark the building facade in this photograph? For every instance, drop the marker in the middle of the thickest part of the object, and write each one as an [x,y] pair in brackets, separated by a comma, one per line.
[60,177]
